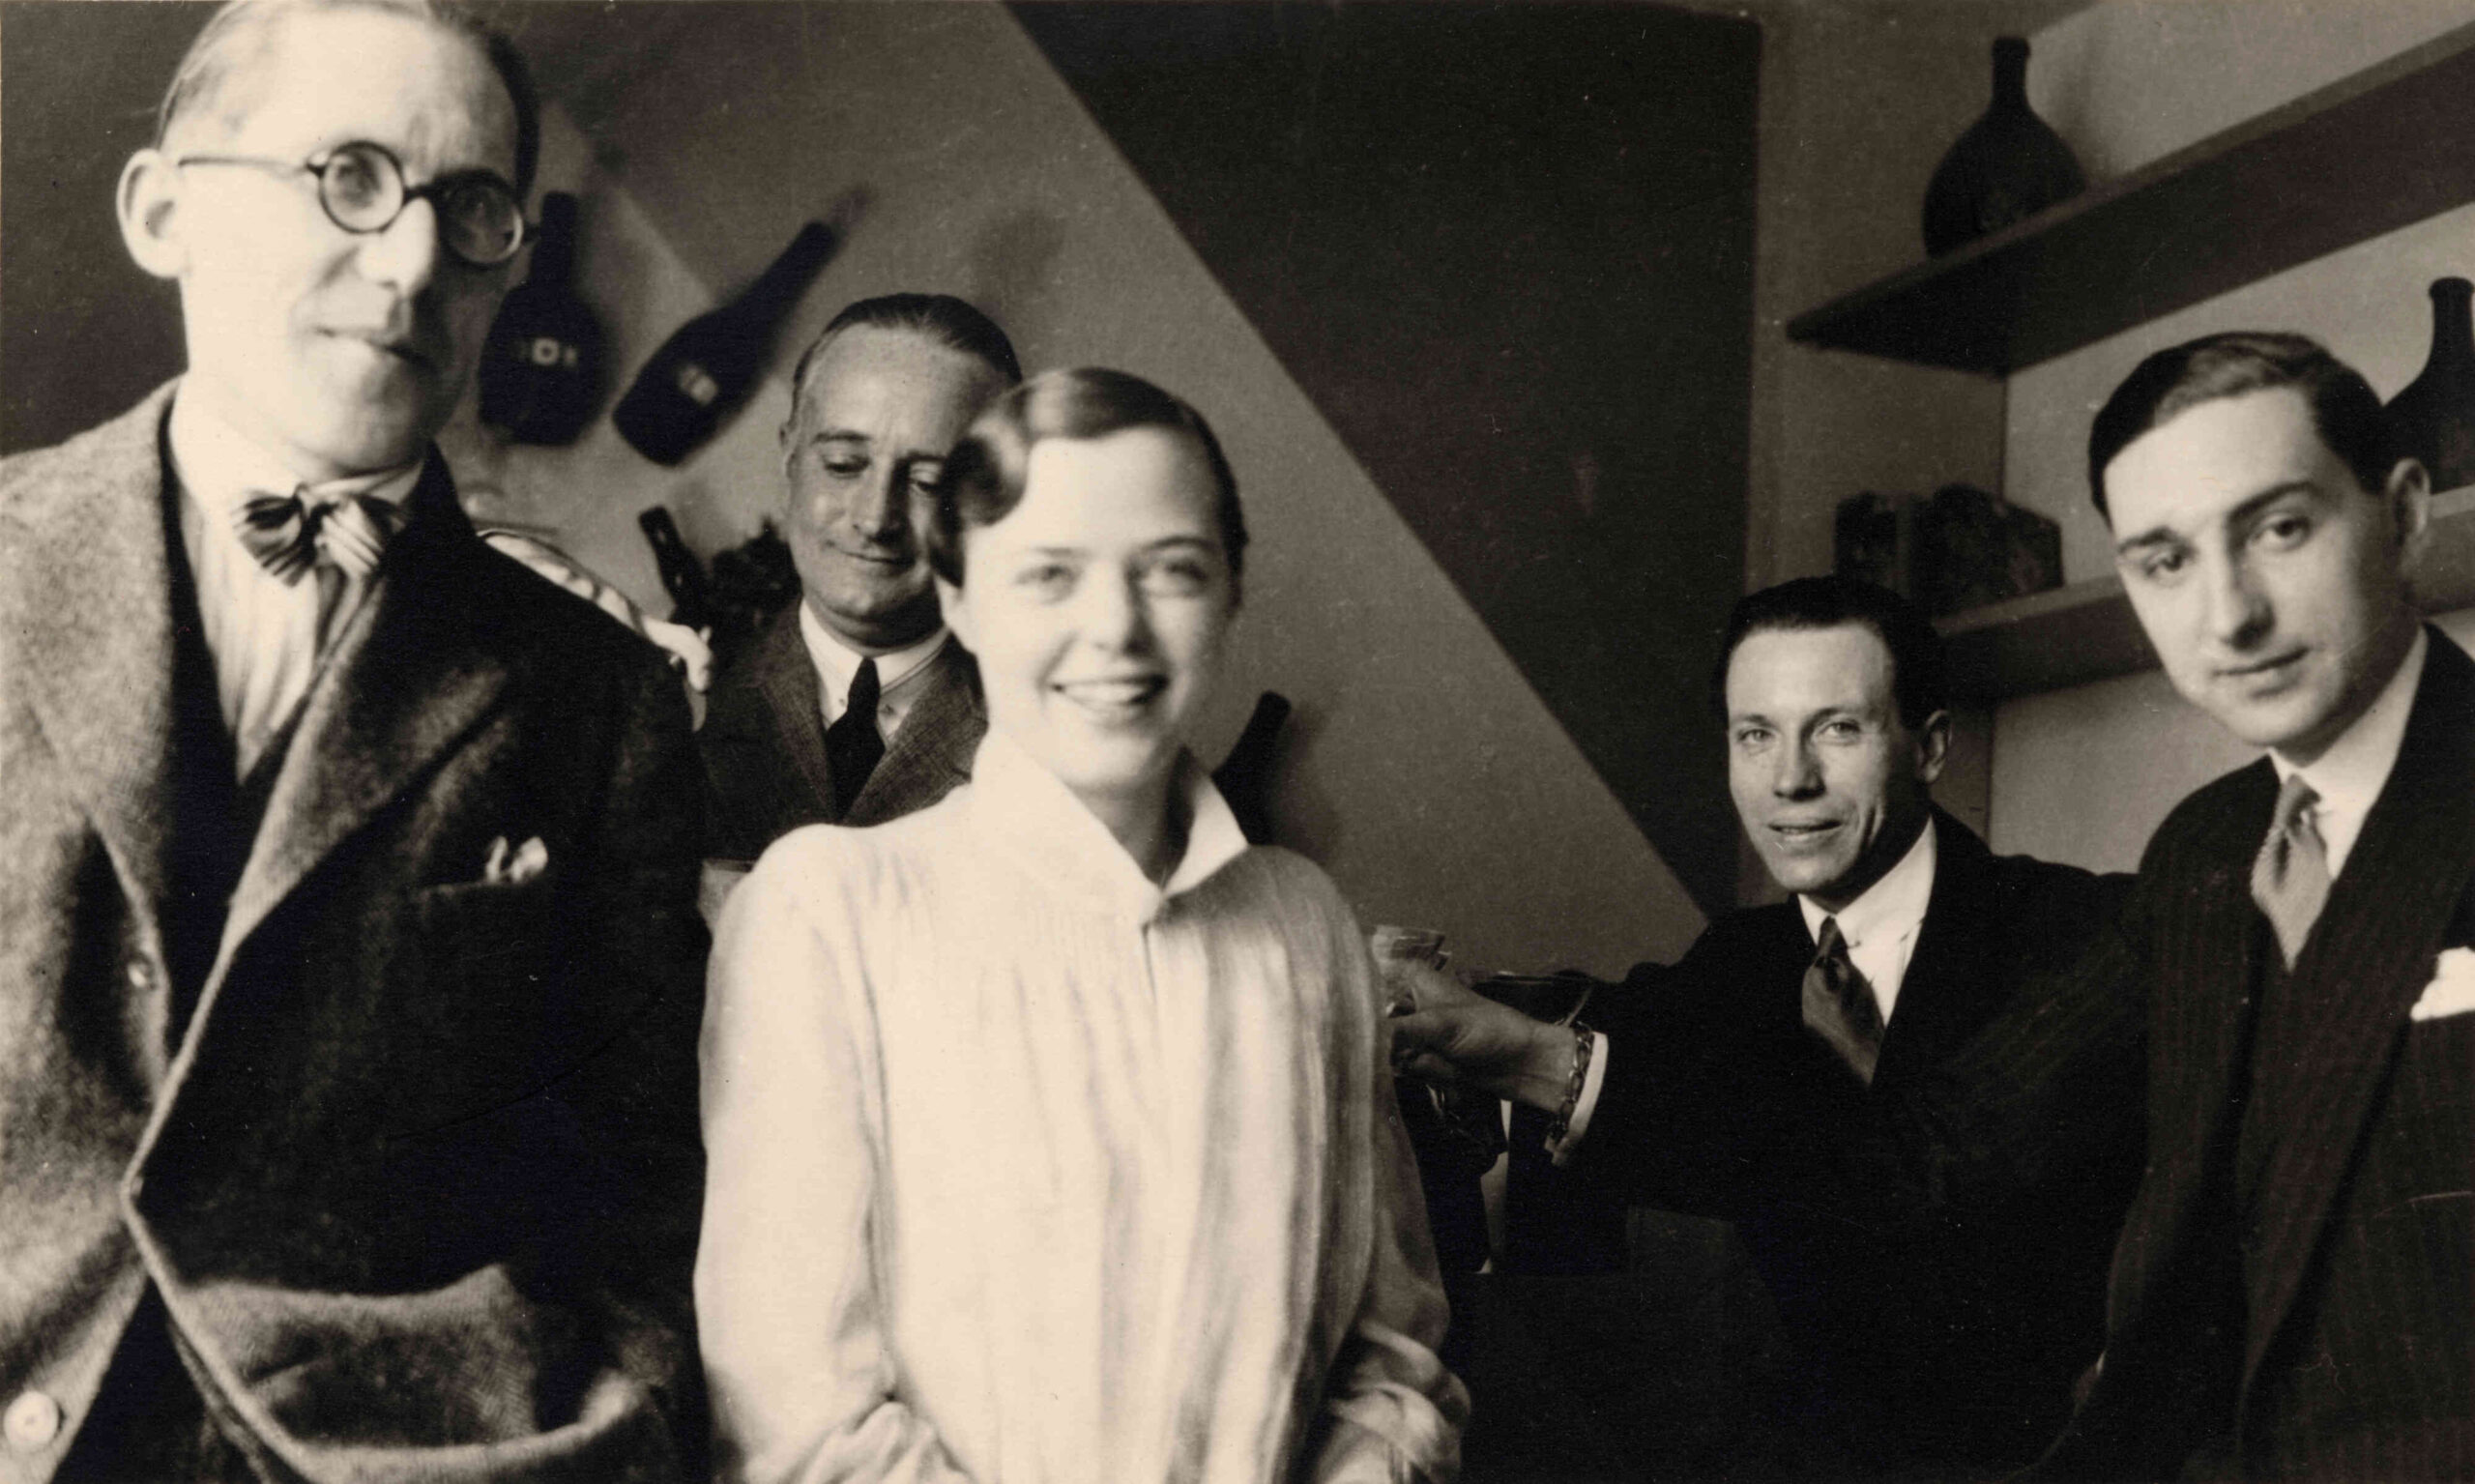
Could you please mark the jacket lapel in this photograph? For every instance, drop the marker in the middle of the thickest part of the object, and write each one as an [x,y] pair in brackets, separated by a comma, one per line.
[90,595]
[1946,994]
[409,676]
[934,749]
[2204,979]
[2368,958]
[786,676]
[2197,933]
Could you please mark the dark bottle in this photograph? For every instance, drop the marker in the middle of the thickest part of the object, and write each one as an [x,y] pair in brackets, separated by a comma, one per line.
[542,366]
[2007,167]
[691,600]
[704,370]
[2436,415]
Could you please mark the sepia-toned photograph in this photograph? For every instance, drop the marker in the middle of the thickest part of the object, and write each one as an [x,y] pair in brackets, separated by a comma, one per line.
[1236,742]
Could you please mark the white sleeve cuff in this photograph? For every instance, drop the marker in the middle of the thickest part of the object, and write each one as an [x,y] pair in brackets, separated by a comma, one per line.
[1592,1079]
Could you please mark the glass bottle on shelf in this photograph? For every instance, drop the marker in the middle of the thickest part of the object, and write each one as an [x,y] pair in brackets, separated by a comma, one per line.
[2436,415]
[2007,167]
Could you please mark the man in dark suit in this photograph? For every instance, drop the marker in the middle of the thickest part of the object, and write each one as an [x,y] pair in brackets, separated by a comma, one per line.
[2292,1295]
[349,959]
[855,706]
[1924,1123]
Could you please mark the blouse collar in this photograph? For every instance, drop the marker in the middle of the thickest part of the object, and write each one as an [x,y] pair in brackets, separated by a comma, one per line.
[1045,826]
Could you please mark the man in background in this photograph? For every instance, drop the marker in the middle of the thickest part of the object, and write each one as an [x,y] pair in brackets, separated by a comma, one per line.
[2294,1295]
[349,959]
[1923,1122]
[856,706]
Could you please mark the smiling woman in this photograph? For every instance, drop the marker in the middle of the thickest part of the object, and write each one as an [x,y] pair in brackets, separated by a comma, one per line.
[1049,1128]
[1107,541]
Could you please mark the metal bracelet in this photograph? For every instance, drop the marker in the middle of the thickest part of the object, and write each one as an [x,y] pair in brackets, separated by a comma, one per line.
[1584,1040]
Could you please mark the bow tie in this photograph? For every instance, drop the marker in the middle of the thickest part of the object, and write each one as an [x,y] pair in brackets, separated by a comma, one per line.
[291,534]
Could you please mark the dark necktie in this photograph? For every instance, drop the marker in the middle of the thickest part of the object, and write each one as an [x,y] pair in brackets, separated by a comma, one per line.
[2291,876]
[340,537]
[852,745]
[1839,1004]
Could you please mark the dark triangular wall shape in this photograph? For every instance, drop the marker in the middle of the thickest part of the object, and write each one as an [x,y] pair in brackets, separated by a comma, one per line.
[1508,252]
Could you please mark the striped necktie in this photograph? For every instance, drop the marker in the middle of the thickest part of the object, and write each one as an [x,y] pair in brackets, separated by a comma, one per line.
[340,536]
[1839,1004]
[2291,876]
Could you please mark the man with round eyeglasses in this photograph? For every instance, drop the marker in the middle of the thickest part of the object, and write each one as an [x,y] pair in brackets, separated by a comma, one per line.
[362,186]
[350,964]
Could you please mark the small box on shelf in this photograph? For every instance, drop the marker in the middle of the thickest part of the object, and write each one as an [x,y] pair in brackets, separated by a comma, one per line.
[1963,547]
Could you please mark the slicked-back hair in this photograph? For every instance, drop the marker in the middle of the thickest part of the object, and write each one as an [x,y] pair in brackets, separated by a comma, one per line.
[1918,682]
[2345,411]
[984,477]
[241,36]
[941,319]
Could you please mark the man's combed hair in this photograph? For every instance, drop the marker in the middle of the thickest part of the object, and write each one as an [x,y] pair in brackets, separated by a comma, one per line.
[1918,682]
[941,319]
[243,33]
[2344,409]
[984,475]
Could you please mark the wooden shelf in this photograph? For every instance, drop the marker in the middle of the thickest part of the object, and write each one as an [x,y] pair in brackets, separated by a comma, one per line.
[2387,147]
[2072,635]
[2063,636]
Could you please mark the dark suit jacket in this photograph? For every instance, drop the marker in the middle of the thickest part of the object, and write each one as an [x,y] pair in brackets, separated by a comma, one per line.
[418,1171]
[764,744]
[1937,1242]
[2300,1303]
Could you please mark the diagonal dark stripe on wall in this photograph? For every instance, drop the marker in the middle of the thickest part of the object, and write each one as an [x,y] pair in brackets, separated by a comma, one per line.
[1508,252]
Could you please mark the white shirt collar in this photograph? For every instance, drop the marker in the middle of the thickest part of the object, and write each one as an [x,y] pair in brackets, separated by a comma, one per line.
[2350,774]
[837,664]
[1881,927]
[1892,905]
[219,466]
[1042,819]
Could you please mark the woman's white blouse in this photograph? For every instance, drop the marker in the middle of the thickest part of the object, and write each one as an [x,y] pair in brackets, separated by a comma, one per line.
[1025,1169]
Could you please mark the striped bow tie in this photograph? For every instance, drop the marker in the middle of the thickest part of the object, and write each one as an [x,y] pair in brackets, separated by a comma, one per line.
[291,534]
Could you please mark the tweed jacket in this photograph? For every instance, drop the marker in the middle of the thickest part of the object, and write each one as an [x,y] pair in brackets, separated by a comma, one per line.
[2301,1301]
[415,1184]
[764,744]
[1937,1241]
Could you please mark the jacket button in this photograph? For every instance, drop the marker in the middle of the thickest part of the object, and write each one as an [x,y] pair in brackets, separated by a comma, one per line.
[142,975]
[32,1421]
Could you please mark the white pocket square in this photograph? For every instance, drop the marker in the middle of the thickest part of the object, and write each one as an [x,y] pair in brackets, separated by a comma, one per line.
[2451,991]
[512,868]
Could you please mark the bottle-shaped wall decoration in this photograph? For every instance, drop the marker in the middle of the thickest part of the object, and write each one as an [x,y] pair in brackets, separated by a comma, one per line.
[2436,415]
[705,369]
[2007,167]
[542,366]
[690,596]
